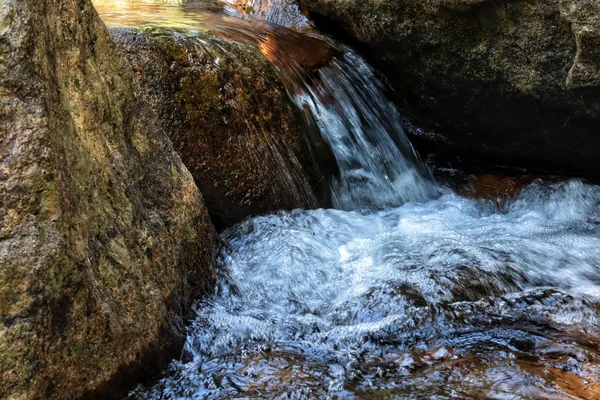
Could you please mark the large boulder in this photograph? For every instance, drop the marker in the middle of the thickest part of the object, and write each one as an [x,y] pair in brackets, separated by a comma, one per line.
[104,237]
[511,81]
[228,115]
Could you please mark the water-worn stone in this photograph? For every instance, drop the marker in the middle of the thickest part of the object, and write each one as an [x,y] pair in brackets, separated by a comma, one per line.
[512,81]
[104,237]
[229,116]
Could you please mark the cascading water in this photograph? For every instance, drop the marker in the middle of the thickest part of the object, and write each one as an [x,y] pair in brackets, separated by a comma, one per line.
[454,298]
[408,290]
[378,166]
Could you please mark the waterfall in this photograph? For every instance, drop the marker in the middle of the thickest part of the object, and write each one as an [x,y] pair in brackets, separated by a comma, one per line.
[339,91]
[406,290]
[379,168]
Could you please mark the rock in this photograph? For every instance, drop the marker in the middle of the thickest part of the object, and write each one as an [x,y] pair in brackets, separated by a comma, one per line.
[229,117]
[514,82]
[281,12]
[104,237]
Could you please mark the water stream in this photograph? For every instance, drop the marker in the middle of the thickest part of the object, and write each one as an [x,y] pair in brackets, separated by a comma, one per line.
[454,298]
[407,290]
[378,166]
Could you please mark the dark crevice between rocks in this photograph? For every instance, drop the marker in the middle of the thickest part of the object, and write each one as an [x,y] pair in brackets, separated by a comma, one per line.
[147,370]
[155,358]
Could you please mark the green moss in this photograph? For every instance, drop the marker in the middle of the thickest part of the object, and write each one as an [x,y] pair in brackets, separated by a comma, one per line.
[168,46]
[200,96]
[77,348]
[190,236]
[8,296]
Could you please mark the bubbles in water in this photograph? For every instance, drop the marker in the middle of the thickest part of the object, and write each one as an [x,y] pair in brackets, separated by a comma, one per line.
[331,302]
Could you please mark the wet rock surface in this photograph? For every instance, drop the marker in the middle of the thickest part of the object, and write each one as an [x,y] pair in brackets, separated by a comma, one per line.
[513,83]
[231,120]
[104,237]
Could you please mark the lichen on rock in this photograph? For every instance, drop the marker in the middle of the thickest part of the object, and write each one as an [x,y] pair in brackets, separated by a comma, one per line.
[104,237]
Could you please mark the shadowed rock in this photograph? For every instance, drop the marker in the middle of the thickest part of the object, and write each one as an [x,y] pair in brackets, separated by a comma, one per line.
[231,120]
[514,82]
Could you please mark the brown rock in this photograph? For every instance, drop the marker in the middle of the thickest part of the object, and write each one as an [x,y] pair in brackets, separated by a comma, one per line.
[104,238]
[231,120]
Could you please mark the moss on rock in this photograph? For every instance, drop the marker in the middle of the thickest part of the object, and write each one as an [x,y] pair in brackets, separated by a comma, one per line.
[97,269]
[229,117]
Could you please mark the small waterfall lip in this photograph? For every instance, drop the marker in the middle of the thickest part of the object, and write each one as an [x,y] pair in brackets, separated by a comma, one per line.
[379,167]
[338,91]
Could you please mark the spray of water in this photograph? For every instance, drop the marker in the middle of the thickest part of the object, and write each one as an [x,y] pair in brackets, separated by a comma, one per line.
[378,166]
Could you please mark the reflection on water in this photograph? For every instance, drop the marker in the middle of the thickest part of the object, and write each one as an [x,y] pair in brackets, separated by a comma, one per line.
[284,47]
[192,15]
[155,13]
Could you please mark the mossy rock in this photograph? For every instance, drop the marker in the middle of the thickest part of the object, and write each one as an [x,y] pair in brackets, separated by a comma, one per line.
[228,115]
[105,241]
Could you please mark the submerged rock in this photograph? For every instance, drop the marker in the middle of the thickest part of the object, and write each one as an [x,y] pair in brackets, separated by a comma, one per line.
[516,82]
[104,237]
[230,118]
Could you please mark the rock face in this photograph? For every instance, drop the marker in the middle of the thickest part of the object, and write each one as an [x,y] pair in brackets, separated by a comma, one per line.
[229,117]
[104,238]
[511,81]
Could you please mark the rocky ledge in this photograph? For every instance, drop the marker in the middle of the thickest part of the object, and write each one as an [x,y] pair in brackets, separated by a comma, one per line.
[228,115]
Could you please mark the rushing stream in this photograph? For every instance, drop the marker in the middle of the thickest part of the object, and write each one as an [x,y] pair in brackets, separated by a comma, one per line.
[407,290]
[453,297]
[378,166]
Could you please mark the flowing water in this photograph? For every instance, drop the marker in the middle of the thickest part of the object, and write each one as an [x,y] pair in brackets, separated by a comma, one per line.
[378,166]
[407,290]
[454,298]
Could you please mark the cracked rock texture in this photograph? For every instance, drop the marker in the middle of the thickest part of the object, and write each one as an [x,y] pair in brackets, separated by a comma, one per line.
[511,81]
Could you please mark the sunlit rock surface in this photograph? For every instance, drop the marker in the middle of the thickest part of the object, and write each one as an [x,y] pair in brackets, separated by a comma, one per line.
[281,12]
[104,237]
[512,82]
[230,118]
